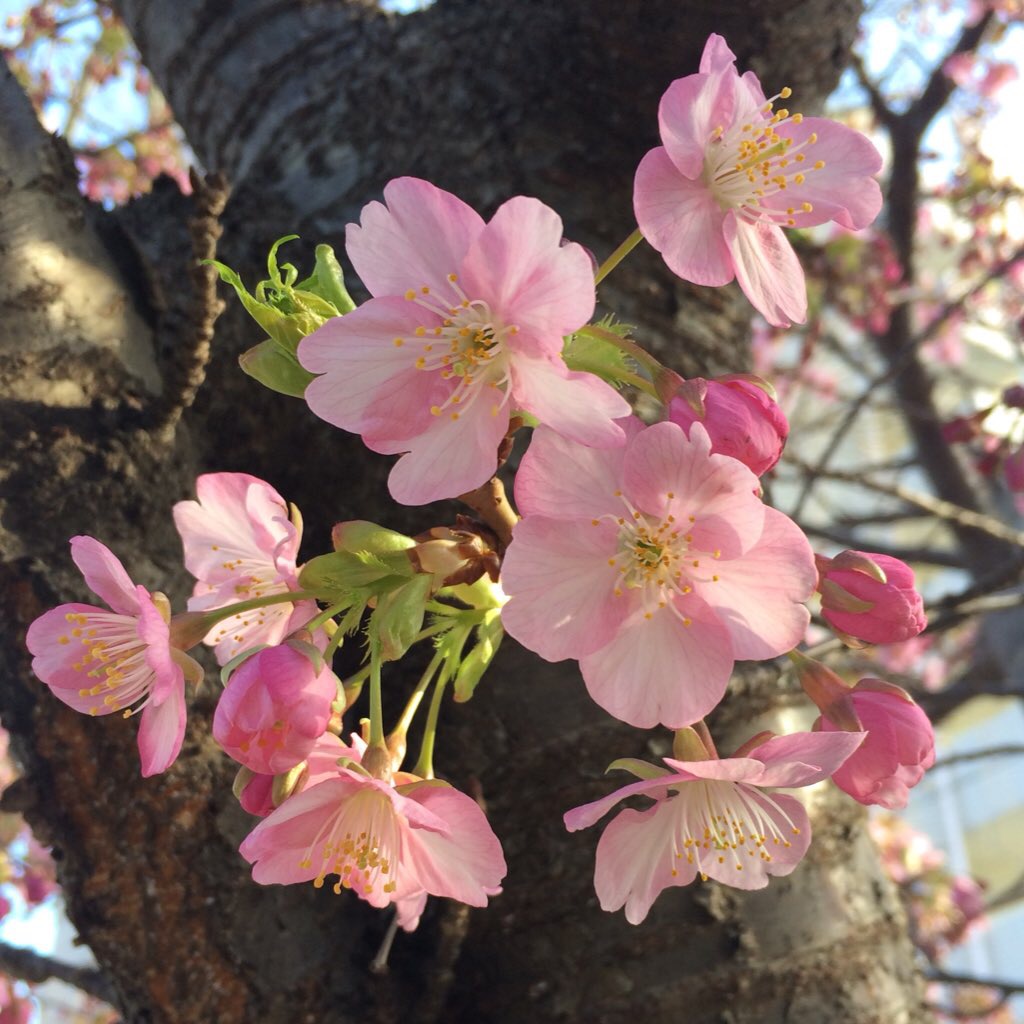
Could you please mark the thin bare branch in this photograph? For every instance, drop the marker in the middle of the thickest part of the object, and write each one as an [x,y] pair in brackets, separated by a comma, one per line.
[29,965]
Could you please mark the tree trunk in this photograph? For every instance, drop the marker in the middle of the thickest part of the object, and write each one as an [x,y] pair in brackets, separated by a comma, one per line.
[309,107]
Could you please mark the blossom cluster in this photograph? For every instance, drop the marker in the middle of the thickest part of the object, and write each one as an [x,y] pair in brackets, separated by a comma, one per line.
[643,549]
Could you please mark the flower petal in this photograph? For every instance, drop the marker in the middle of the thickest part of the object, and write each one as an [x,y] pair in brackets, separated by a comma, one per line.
[759,595]
[418,238]
[161,731]
[656,670]
[519,266]
[767,270]
[682,220]
[565,480]
[803,758]
[577,405]
[104,574]
[561,587]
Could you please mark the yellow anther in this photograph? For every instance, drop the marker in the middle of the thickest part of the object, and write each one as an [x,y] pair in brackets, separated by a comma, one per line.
[797,118]
[786,93]
[799,179]
[410,294]
[819,164]
[435,410]
[453,278]
[399,342]
[807,208]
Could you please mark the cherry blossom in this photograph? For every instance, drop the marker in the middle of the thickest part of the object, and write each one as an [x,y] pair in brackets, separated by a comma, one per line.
[240,544]
[275,707]
[466,325]
[388,841]
[656,566]
[732,172]
[710,817]
[102,661]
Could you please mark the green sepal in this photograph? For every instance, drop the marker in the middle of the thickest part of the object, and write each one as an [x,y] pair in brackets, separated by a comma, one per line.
[276,367]
[588,353]
[360,535]
[225,672]
[641,769]
[398,618]
[410,787]
[489,635]
[340,573]
[328,281]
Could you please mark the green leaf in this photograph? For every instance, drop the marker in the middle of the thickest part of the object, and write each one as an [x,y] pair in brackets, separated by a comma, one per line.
[328,282]
[589,354]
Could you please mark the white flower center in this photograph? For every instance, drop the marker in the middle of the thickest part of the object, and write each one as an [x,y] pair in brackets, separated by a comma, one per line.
[362,845]
[113,663]
[721,822]
[657,556]
[465,344]
[750,162]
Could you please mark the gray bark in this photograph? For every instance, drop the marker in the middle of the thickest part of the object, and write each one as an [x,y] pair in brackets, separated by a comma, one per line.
[309,108]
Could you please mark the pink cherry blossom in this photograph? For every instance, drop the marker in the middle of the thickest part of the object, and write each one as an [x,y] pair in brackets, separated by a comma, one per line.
[122,660]
[240,544]
[899,749]
[390,842]
[870,597]
[730,173]
[275,707]
[709,818]
[656,566]
[466,325]
[740,416]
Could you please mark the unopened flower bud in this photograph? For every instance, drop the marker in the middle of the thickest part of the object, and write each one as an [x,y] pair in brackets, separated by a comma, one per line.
[869,598]
[898,749]
[740,416]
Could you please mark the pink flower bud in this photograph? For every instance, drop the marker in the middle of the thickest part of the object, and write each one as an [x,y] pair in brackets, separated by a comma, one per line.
[741,418]
[870,598]
[899,748]
[274,709]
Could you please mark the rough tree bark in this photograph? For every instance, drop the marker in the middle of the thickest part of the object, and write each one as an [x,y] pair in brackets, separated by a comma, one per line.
[308,107]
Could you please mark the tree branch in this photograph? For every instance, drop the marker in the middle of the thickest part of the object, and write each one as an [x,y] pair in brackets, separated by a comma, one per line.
[31,966]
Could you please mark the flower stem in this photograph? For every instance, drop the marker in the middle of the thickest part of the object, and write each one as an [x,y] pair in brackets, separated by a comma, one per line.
[376,708]
[416,698]
[618,256]
[216,614]
[425,764]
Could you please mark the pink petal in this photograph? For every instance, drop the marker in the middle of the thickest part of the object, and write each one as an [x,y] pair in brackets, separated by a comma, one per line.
[767,270]
[682,220]
[589,814]
[155,634]
[104,574]
[803,758]
[561,587]
[519,266]
[657,670]
[161,732]
[236,516]
[759,595]
[418,238]
[844,190]
[716,55]
[689,112]
[453,456]
[409,910]
[565,480]
[717,491]
[636,860]
[726,769]
[576,405]
[465,863]
[365,372]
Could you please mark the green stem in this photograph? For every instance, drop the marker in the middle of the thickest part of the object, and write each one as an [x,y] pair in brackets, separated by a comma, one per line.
[425,764]
[376,707]
[327,613]
[618,256]
[216,614]
[417,695]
